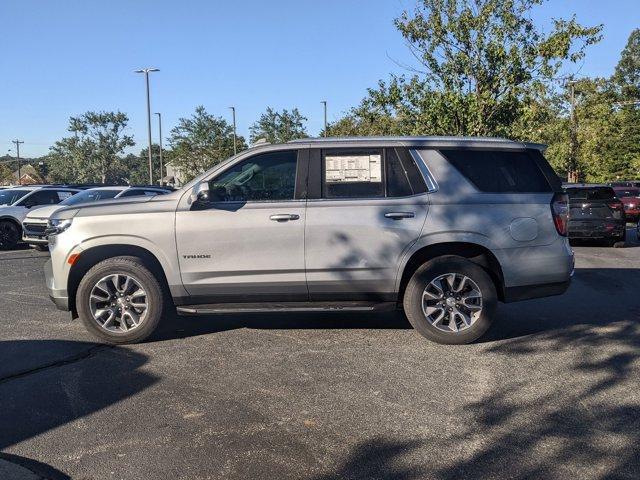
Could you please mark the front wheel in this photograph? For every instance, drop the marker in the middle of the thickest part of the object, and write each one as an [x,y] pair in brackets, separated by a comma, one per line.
[120,300]
[9,235]
[450,300]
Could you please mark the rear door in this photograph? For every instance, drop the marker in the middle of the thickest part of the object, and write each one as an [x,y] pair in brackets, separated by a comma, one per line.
[365,208]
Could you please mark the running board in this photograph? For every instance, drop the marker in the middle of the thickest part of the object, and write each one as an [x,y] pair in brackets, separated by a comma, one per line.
[214,308]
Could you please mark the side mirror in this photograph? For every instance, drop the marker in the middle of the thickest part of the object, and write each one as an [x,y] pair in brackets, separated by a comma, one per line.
[202,192]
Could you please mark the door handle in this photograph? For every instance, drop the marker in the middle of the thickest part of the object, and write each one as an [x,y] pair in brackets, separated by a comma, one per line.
[284,217]
[399,215]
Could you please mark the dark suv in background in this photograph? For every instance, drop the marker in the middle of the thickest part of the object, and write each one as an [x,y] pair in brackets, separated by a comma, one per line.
[595,213]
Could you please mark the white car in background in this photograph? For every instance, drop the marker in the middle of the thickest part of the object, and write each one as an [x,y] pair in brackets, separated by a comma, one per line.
[16,204]
[35,223]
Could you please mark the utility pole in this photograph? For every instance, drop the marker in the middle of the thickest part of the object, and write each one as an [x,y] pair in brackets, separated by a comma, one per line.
[18,142]
[146,72]
[324,103]
[572,173]
[233,112]
[160,135]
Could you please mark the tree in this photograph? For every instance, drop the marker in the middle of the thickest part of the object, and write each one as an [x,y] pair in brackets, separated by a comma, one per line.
[92,154]
[627,73]
[478,63]
[6,173]
[137,166]
[199,142]
[279,127]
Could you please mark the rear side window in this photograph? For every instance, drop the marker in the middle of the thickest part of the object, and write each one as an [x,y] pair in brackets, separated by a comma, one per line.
[499,171]
[370,173]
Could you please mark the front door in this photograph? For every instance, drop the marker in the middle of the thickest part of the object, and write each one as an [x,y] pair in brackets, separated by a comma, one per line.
[246,243]
[369,209]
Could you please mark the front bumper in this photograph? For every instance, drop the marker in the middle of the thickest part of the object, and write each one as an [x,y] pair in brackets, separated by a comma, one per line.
[59,297]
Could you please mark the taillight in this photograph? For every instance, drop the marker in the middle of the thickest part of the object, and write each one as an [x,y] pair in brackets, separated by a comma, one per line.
[616,205]
[560,212]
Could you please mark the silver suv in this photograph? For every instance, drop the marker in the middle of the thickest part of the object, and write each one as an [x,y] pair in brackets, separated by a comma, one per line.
[443,228]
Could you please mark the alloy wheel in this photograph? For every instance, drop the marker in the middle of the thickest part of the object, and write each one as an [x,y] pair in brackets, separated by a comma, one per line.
[118,303]
[452,302]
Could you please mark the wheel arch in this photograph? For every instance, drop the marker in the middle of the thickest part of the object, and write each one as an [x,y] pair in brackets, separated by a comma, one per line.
[97,254]
[474,252]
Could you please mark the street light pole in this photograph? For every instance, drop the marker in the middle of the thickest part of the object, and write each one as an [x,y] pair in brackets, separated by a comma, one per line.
[233,112]
[572,174]
[146,72]
[324,103]
[160,135]
[18,142]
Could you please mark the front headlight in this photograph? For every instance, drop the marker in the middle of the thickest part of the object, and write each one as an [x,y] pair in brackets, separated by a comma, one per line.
[57,226]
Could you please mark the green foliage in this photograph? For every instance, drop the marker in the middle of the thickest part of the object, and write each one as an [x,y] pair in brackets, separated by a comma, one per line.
[199,142]
[6,174]
[92,154]
[279,127]
[480,63]
[627,73]
[137,166]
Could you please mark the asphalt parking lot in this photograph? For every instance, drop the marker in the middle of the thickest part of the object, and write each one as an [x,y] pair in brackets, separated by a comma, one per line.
[552,392]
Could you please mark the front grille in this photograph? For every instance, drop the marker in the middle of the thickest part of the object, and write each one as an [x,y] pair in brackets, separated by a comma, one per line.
[37,228]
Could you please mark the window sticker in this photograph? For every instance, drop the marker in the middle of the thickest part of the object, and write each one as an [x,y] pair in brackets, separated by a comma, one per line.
[353,168]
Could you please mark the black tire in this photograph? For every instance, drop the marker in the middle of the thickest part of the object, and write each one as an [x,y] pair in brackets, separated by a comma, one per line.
[10,235]
[431,270]
[41,248]
[131,266]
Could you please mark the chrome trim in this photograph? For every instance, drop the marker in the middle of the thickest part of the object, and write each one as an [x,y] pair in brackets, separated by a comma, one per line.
[432,185]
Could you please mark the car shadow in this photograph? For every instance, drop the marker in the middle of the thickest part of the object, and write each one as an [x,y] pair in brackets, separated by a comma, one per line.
[175,326]
[66,384]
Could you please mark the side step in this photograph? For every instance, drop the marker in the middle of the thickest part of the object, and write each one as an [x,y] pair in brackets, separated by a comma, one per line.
[214,308]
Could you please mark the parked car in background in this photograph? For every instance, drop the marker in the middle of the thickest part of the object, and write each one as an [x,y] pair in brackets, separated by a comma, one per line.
[11,195]
[441,227]
[23,199]
[630,198]
[595,213]
[35,223]
[628,183]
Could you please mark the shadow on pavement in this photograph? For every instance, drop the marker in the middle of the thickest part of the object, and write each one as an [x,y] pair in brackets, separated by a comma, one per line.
[46,384]
[42,470]
[176,326]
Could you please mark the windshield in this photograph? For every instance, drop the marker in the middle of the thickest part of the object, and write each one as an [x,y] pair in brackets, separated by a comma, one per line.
[89,196]
[591,193]
[7,197]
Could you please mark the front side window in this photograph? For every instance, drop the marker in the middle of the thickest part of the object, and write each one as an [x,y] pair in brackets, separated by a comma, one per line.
[267,177]
[42,197]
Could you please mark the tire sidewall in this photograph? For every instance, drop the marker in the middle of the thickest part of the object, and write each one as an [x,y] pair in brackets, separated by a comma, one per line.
[440,266]
[10,246]
[135,269]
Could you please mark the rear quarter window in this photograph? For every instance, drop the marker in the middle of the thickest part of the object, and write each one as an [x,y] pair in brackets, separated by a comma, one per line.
[499,171]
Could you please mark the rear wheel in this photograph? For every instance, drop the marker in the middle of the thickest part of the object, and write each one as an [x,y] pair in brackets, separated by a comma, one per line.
[9,235]
[120,301]
[450,300]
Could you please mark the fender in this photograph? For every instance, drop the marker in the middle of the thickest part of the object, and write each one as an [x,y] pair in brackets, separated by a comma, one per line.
[431,239]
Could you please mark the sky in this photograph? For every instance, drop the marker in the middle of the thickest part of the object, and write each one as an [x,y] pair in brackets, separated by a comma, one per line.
[61,58]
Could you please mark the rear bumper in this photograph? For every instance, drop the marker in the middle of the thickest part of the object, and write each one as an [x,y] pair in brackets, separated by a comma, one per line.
[528,292]
[597,229]
[59,297]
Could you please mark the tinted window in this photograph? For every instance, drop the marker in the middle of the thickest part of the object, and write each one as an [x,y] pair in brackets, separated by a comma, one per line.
[627,192]
[42,197]
[499,170]
[7,197]
[403,176]
[90,196]
[263,178]
[352,174]
[134,192]
[591,193]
